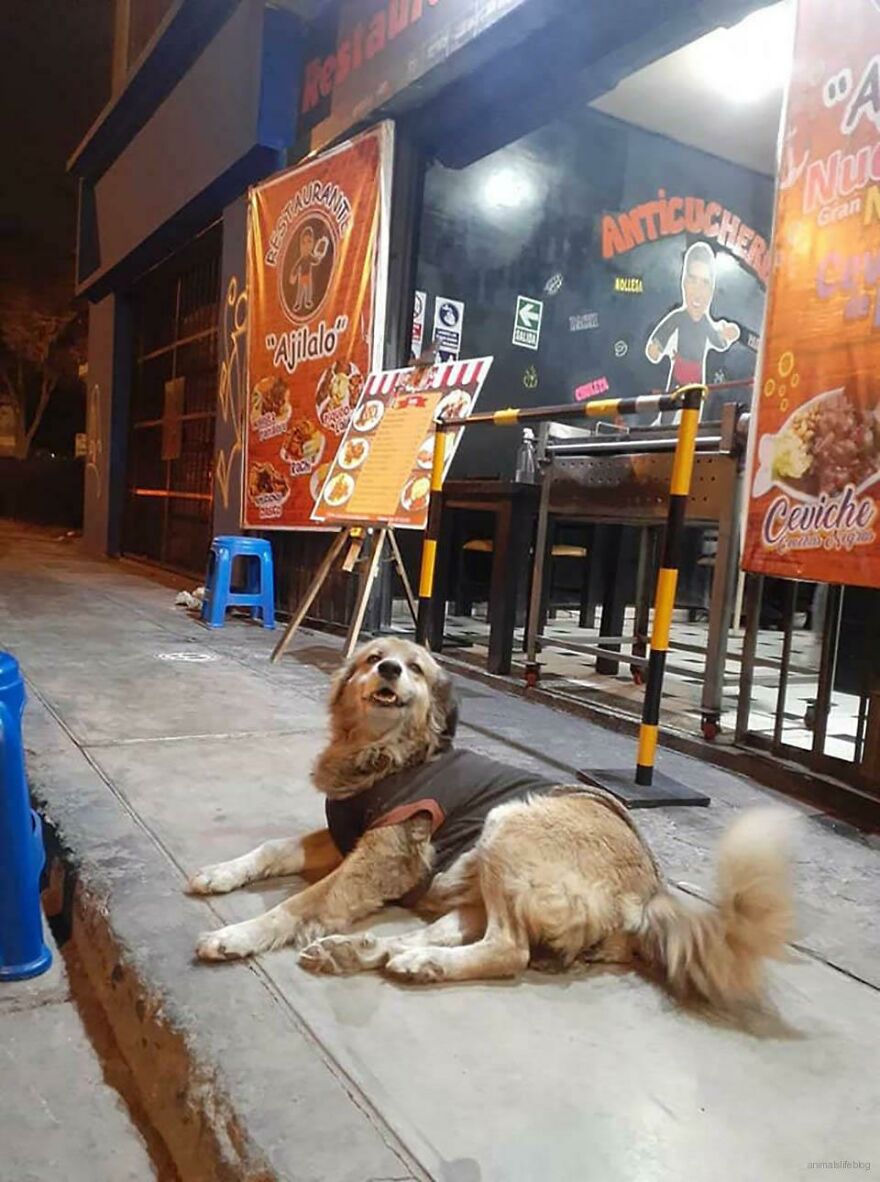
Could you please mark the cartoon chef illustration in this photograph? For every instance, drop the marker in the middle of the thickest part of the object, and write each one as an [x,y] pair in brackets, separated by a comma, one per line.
[301,275]
[687,333]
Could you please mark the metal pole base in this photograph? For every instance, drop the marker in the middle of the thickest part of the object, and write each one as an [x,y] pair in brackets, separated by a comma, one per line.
[663,790]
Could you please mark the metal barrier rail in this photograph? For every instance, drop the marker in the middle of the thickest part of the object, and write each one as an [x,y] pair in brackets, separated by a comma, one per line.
[689,400]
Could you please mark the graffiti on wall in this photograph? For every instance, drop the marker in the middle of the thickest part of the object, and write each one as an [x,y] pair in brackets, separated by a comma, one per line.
[231,386]
[94,442]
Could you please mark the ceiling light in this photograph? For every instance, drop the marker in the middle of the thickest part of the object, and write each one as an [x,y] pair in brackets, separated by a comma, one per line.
[509,188]
[752,59]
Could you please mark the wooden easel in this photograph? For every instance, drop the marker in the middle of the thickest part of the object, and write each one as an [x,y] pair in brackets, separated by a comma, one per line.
[354,537]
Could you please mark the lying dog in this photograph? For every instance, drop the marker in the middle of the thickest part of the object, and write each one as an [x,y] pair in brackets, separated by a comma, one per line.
[511,862]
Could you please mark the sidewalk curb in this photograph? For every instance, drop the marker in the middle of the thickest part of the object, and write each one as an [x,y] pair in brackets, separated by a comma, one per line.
[200,1129]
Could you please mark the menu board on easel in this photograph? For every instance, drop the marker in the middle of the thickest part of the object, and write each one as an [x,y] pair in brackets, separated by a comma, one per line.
[382,471]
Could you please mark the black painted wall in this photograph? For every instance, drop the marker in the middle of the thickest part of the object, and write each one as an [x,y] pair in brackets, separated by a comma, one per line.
[528,220]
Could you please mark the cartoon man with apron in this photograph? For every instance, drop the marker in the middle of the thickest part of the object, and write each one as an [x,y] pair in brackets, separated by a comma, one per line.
[687,333]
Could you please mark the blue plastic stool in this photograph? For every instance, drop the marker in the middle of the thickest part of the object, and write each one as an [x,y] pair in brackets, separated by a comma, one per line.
[22,950]
[259,589]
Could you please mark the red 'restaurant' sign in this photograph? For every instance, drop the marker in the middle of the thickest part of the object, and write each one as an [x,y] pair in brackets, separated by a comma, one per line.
[316,262]
[814,462]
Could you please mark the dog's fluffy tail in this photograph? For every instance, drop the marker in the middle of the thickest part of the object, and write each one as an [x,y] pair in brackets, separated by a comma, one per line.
[718,953]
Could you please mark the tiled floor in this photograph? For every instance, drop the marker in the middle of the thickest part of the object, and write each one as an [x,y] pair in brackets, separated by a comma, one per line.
[574,674]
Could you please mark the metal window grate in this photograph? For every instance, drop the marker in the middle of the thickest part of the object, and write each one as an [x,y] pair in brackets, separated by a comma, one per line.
[171,424]
[810,685]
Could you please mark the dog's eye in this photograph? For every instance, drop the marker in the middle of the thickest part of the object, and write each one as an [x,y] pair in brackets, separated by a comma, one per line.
[416,668]
[373,658]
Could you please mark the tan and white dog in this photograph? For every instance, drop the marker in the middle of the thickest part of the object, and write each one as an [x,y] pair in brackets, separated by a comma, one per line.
[512,864]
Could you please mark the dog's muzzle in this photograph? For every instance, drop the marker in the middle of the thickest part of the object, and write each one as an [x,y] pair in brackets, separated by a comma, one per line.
[386,695]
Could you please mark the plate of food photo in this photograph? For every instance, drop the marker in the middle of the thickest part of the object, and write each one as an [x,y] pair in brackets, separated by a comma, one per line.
[823,446]
[270,397]
[267,486]
[316,483]
[416,493]
[425,455]
[353,453]
[369,416]
[338,490]
[456,405]
[338,390]
[303,445]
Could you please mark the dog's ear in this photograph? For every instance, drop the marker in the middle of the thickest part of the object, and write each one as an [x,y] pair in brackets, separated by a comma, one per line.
[341,680]
[444,708]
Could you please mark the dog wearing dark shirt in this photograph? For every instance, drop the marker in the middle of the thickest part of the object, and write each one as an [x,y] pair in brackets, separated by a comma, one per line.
[509,865]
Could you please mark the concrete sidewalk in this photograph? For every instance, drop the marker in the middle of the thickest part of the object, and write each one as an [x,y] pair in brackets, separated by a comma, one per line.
[156,746]
[58,1118]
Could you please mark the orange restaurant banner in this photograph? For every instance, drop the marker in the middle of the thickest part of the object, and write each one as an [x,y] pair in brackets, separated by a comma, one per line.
[316,281]
[814,463]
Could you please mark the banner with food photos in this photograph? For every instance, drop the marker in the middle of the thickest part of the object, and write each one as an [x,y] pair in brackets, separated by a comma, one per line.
[382,471]
[814,449]
[317,265]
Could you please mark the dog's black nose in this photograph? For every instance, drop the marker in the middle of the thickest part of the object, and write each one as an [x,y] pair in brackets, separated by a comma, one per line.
[390,670]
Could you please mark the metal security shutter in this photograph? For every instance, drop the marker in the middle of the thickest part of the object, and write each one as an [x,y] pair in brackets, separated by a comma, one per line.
[174,385]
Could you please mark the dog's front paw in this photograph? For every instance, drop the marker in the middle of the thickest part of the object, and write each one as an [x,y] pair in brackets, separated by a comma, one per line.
[418,965]
[213,880]
[224,944]
[338,954]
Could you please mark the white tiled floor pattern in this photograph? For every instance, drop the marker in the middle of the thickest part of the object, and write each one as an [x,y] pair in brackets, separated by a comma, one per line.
[575,674]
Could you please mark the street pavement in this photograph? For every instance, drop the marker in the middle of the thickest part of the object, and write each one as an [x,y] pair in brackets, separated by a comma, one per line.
[156,746]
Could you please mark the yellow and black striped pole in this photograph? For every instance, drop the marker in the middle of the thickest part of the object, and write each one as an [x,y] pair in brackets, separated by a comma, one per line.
[598,408]
[432,534]
[690,399]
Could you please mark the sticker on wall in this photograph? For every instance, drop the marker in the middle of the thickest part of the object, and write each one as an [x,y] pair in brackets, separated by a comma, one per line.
[621,348]
[629,284]
[448,321]
[527,322]
[420,302]
[554,284]
[591,389]
[530,378]
[583,321]
[686,335]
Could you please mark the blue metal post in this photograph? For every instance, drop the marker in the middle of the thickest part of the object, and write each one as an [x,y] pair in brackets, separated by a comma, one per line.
[22,950]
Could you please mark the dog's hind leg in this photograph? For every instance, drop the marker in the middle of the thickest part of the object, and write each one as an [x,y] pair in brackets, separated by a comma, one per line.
[502,952]
[459,886]
[497,955]
[362,952]
[314,854]
[616,948]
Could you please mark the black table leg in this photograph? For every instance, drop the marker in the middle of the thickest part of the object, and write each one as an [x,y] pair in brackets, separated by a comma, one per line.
[613,603]
[512,536]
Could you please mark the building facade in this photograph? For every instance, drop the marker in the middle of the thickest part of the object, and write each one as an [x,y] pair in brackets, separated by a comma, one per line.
[502,170]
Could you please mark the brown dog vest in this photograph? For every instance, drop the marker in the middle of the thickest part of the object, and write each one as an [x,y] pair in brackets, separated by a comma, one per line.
[457,790]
